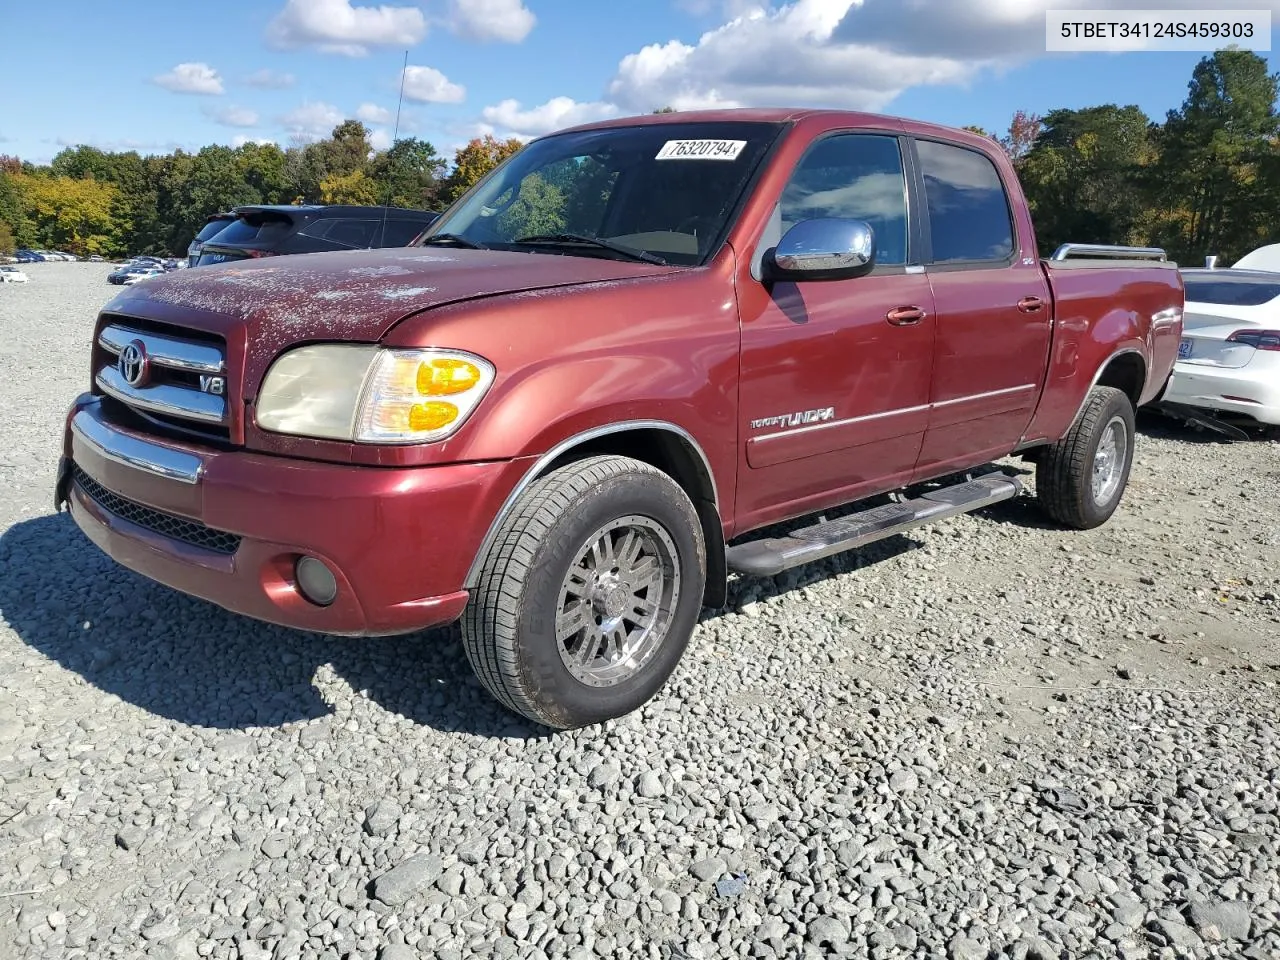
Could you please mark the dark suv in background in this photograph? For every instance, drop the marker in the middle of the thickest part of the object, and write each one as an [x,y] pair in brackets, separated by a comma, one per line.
[270,230]
[211,228]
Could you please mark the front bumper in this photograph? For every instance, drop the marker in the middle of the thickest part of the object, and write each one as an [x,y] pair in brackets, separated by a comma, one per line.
[1252,390]
[229,526]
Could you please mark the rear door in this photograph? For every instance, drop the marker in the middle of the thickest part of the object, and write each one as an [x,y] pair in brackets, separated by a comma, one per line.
[994,314]
[835,374]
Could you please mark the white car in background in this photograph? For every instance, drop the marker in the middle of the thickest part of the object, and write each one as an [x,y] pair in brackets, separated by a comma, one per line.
[1229,358]
[141,273]
[12,275]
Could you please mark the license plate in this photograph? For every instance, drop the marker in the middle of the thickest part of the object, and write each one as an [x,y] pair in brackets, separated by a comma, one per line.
[1184,349]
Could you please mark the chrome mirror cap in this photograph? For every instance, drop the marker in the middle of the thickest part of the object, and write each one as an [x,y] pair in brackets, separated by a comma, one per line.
[824,249]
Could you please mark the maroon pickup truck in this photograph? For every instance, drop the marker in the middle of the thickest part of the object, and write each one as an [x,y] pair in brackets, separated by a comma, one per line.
[559,416]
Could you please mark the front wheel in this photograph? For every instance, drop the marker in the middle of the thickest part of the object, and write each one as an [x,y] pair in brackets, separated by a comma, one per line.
[1081,478]
[589,594]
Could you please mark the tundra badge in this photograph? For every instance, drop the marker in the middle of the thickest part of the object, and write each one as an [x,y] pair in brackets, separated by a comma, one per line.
[797,419]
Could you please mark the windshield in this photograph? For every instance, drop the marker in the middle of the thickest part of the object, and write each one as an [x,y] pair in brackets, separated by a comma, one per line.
[1231,291]
[667,189]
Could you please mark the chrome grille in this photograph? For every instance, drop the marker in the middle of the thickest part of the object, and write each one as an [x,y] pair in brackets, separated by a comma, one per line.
[165,375]
[166,524]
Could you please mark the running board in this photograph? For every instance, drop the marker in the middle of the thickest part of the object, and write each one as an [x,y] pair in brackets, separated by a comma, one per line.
[764,558]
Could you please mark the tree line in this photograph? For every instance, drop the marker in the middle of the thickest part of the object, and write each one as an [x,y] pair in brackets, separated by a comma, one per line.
[1204,181]
[90,201]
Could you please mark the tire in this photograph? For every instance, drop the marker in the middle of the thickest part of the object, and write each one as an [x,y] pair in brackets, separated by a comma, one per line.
[1066,473]
[525,598]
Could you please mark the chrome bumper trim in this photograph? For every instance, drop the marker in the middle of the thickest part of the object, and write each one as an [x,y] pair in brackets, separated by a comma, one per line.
[165,351]
[174,401]
[133,452]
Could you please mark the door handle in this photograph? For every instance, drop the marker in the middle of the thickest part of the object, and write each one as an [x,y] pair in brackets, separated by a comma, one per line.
[905,316]
[1030,304]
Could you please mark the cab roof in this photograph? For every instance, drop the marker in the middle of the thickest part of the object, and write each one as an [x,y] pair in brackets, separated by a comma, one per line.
[835,118]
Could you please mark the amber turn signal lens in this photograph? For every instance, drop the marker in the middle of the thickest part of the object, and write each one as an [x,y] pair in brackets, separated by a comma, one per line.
[442,377]
[431,416]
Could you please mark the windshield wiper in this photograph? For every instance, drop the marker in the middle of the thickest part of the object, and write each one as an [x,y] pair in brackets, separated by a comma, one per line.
[551,239]
[453,238]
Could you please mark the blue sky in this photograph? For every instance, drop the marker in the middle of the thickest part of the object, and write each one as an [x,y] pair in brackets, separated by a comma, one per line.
[124,76]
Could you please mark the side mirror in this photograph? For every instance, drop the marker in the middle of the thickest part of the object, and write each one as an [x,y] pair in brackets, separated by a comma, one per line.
[824,249]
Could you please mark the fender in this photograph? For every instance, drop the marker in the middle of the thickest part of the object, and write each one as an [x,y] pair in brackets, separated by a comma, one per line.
[541,465]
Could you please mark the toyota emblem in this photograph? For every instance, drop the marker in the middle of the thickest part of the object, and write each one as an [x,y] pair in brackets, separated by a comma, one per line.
[133,363]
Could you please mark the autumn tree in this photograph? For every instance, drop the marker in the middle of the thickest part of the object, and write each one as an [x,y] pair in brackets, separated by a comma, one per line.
[354,187]
[477,158]
[7,243]
[1021,136]
[68,214]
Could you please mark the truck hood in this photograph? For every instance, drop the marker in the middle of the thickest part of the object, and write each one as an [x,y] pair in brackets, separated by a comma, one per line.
[356,295]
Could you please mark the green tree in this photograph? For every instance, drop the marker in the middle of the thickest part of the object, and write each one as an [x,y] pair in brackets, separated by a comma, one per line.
[264,168]
[7,244]
[409,174]
[1083,176]
[1206,187]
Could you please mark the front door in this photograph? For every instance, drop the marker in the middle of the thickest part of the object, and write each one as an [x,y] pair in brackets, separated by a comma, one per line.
[834,391]
[994,315]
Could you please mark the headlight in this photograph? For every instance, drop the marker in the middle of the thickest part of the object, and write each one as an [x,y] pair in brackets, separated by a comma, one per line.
[369,394]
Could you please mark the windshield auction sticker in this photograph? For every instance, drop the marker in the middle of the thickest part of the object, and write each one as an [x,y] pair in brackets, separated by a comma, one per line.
[701,150]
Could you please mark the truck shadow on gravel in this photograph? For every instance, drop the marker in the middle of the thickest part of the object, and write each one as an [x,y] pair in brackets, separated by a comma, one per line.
[195,663]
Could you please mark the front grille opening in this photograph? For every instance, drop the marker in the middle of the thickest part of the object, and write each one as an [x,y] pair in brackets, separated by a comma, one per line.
[159,424]
[166,524]
[164,329]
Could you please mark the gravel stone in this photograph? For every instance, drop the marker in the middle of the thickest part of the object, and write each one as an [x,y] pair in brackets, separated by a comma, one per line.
[991,735]
[650,786]
[407,879]
[708,869]
[381,817]
[1221,920]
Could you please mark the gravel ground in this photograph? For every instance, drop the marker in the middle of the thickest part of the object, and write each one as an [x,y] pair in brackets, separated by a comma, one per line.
[989,738]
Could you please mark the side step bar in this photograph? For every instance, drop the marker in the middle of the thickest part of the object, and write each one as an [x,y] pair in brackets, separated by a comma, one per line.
[764,558]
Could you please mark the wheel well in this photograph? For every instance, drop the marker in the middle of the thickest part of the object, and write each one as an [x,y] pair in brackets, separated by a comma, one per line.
[678,459]
[1128,374]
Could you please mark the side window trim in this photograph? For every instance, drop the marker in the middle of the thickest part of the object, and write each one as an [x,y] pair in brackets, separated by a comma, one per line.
[940,266]
[914,214]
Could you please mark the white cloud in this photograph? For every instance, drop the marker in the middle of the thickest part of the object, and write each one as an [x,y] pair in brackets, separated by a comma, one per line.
[509,21]
[312,121]
[270,80]
[234,116]
[380,138]
[429,85]
[372,113]
[336,26]
[787,55]
[240,139]
[556,114]
[190,78]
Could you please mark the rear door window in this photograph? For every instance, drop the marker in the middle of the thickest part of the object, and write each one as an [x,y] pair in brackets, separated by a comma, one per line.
[968,210]
[352,233]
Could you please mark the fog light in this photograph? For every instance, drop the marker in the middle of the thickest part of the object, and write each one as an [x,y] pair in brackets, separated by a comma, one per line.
[316,581]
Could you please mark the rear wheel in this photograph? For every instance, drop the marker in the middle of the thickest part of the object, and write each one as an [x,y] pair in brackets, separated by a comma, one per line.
[1080,480]
[589,594]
